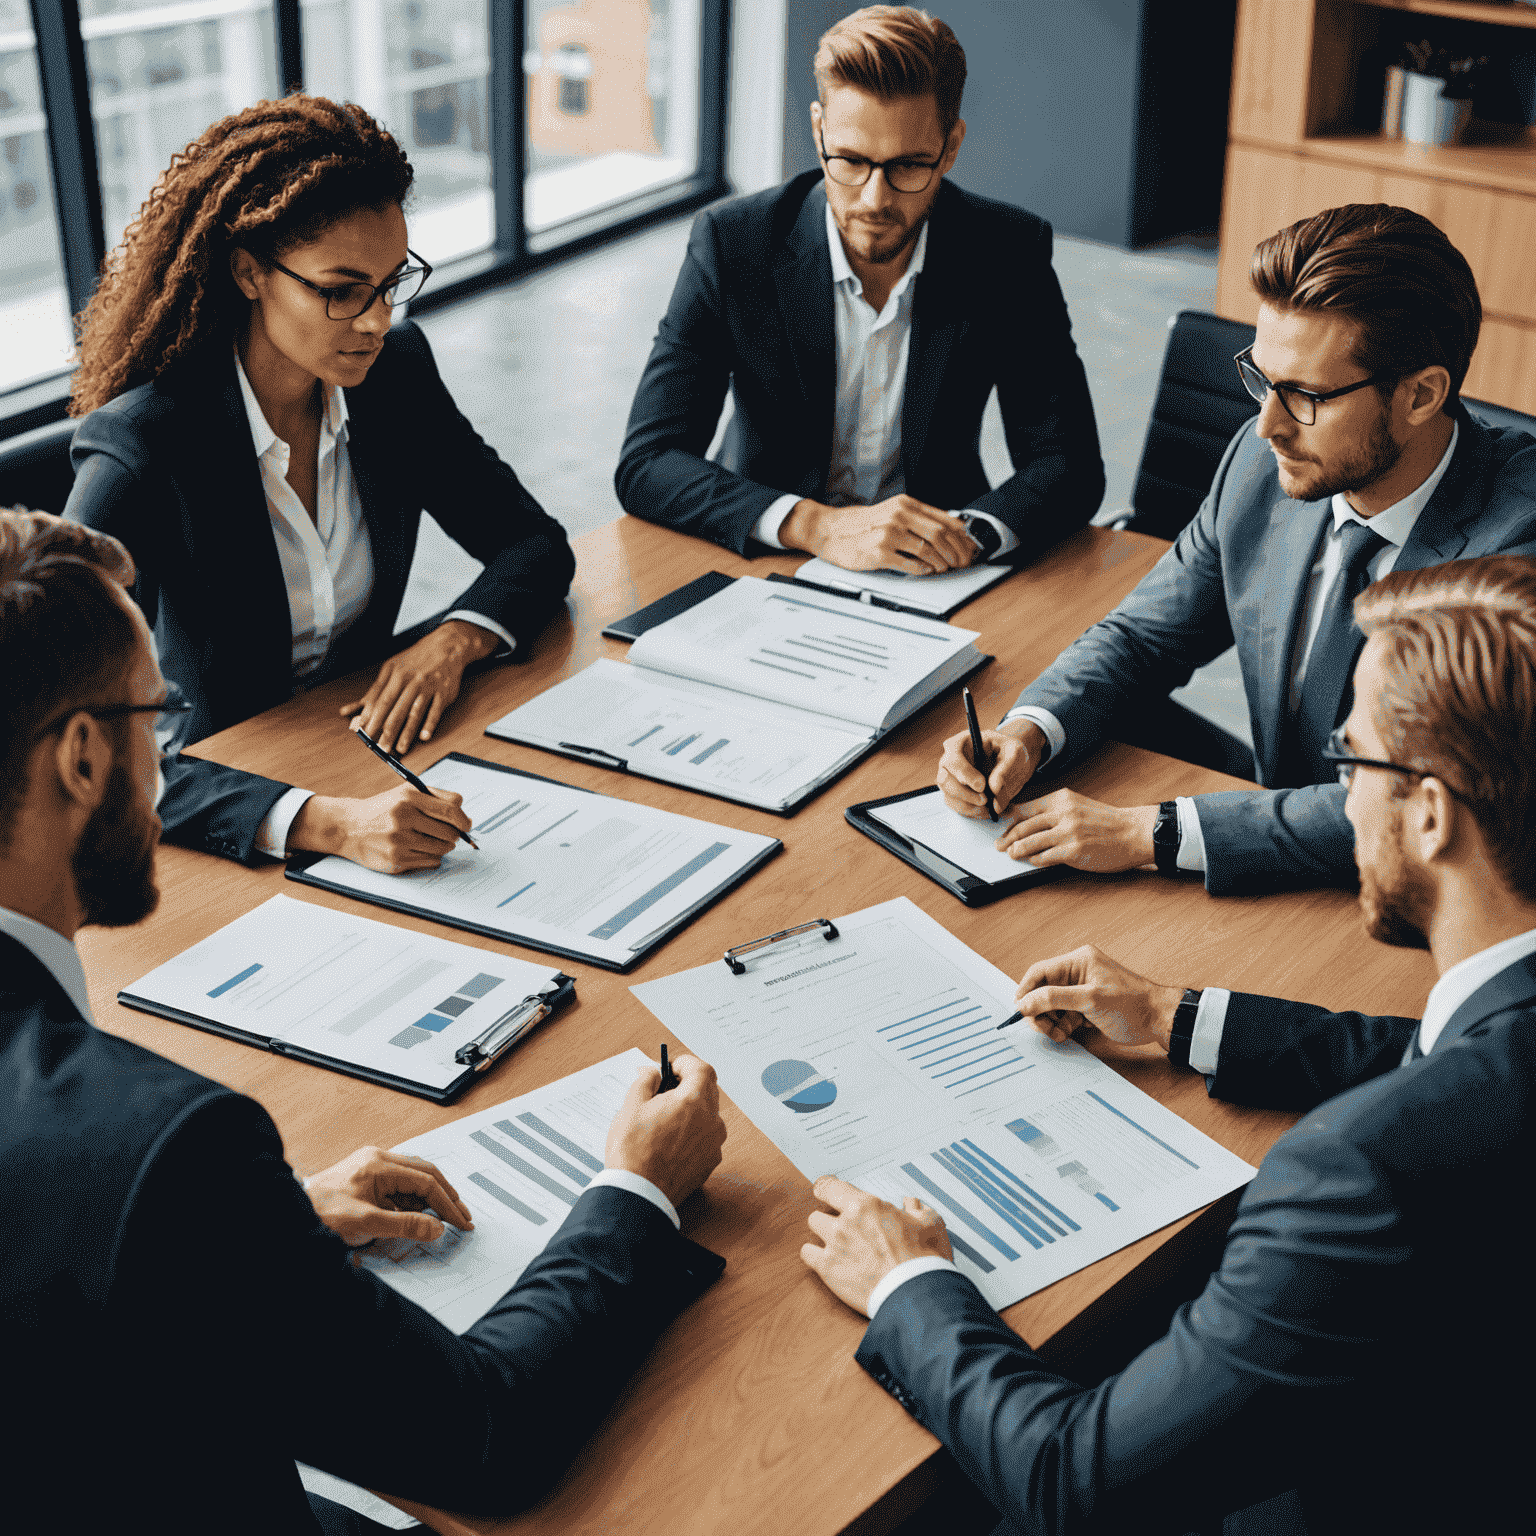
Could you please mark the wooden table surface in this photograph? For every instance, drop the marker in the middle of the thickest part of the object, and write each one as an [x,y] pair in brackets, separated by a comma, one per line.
[751,1414]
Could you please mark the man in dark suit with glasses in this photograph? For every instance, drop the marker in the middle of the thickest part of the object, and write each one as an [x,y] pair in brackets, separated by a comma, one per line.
[861,316]
[1362,460]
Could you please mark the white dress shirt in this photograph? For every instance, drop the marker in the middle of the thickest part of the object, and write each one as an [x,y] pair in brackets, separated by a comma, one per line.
[54,953]
[1393,524]
[327,560]
[872,355]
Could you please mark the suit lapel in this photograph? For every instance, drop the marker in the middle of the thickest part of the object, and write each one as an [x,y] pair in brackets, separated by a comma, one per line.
[938,326]
[1289,557]
[1444,528]
[1513,987]
[371,454]
[802,277]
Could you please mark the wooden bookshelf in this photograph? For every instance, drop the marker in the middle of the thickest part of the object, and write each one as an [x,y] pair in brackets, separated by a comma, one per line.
[1302,81]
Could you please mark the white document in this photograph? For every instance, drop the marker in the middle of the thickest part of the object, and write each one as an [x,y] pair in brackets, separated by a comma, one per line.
[876,1056]
[345,987]
[519,1167]
[930,594]
[958,839]
[561,868]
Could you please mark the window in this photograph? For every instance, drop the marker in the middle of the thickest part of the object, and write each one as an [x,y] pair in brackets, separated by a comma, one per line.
[34,301]
[533,125]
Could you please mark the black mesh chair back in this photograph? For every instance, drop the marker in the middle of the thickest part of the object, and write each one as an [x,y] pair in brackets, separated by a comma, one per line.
[1500,416]
[34,468]
[1200,403]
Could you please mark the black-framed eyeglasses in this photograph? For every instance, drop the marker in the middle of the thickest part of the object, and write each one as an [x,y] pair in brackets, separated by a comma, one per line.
[167,713]
[1345,762]
[1300,404]
[346,301]
[904,175]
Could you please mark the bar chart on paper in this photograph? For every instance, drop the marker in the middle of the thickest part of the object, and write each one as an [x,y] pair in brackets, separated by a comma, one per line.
[877,1057]
[520,1167]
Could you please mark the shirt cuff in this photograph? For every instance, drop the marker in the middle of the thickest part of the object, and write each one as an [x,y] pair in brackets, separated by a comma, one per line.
[1010,540]
[622,1178]
[485,623]
[766,529]
[908,1269]
[272,834]
[1210,1021]
[1191,838]
[1055,734]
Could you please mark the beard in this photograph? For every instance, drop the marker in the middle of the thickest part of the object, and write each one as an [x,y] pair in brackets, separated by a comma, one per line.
[114,861]
[887,241]
[1395,899]
[1369,462]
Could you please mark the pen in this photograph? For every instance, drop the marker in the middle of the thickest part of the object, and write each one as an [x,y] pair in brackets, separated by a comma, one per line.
[978,752]
[669,1078]
[404,772]
[1013,1018]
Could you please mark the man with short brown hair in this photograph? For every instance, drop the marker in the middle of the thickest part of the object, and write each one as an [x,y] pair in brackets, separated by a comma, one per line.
[1362,460]
[861,316]
[1355,1362]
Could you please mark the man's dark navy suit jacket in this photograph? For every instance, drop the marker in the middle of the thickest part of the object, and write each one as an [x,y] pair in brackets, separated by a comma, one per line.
[169,468]
[180,1327]
[1366,1341]
[752,310]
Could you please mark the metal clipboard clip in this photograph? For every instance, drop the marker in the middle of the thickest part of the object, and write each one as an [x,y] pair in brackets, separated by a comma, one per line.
[732,956]
[614,760]
[480,1052]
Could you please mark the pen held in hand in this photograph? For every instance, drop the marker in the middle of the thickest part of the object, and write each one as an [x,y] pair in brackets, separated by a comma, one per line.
[1013,1018]
[389,759]
[978,751]
[669,1078]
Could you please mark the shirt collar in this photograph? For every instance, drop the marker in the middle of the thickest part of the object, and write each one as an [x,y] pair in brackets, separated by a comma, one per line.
[1395,523]
[333,419]
[52,951]
[843,273]
[1464,978]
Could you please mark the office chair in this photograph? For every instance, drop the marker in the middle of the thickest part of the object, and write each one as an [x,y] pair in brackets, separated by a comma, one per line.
[1500,416]
[34,468]
[1200,403]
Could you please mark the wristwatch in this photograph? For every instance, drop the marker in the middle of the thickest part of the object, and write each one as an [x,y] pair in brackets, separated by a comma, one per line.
[1183,1034]
[988,539]
[1165,838]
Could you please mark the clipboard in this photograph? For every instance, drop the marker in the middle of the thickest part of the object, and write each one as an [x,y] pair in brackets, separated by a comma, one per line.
[960,884]
[301,869]
[536,1009]
[878,600]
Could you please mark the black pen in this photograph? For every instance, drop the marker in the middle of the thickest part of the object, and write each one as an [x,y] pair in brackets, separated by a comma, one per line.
[404,772]
[669,1078]
[1013,1018]
[978,752]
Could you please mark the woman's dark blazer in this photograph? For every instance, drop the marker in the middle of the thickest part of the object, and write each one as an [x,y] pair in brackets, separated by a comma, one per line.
[169,468]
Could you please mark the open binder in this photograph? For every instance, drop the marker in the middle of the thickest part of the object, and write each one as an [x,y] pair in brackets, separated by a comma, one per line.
[763,693]
[420,1014]
[559,868]
[972,889]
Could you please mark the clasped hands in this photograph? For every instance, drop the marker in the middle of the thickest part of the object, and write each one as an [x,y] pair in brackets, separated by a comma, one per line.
[864,1237]
[1062,827]
[673,1139]
[898,534]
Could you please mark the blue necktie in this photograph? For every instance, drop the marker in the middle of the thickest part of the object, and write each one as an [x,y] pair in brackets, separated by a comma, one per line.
[1325,690]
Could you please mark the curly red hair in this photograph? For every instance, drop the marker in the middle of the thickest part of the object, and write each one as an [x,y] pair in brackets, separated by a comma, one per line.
[267,179]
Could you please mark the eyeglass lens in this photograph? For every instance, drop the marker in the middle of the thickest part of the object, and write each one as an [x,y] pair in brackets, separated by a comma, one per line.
[348,302]
[902,175]
[1299,407]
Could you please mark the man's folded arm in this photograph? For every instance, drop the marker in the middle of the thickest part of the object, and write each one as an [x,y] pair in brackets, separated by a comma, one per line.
[662,473]
[216,809]
[224,1239]
[1260,840]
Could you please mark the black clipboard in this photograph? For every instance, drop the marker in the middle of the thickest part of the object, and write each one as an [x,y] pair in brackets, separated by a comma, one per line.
[635,624]
[970,889]
[563,995]
[876,600]
[301,865]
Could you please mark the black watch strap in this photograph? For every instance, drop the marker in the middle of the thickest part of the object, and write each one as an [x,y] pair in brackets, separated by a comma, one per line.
[1165,838]
[1183,1034]
[988,539]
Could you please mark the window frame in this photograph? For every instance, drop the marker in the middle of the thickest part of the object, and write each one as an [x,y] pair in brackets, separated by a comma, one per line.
[72,152]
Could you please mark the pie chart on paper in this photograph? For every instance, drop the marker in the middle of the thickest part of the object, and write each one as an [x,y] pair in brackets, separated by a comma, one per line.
[799,1086]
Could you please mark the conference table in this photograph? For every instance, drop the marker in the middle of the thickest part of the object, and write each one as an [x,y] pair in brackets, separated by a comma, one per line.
[750,1414]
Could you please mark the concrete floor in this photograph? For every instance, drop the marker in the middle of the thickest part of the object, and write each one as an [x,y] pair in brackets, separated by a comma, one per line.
[547,367]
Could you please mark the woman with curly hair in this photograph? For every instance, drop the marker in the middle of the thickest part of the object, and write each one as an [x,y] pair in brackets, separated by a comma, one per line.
[265,442]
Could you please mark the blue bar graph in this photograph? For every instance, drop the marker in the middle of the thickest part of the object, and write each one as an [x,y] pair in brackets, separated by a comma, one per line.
[677,747]
[1173,1151]
[234,981]
[954,1206]
[1010,1174]
[959,1244]
[621,919]
[724,741]
[515,894]
[537,1147]
[646,736]
[511,1201]
[565,1144]
[528,1171]
[952,1038]
[1107,1201]
[433,1021]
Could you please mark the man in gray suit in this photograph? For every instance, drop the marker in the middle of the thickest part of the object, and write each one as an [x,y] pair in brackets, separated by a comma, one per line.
[1362,460]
